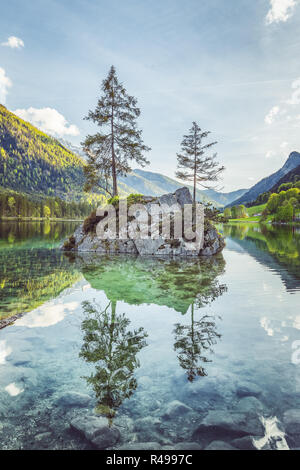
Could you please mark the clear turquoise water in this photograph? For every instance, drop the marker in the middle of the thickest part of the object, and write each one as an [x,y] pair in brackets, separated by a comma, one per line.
[202,329]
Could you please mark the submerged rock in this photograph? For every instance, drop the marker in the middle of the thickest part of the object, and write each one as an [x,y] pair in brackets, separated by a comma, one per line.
[250,405]
[73,399]
[219,445]
[96,430]
[245,443]
[291,421]
[188,446]
[140,446]
[175,408]
[247,389]
[208,241]
[220,423]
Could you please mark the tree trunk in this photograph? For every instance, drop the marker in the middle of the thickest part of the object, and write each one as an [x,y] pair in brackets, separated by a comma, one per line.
[113,160]
[195,181]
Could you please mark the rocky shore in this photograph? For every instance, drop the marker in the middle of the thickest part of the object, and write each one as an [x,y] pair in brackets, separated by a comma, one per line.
[209,242]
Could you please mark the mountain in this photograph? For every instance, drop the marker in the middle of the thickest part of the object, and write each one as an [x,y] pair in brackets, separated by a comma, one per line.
[33,162]
[223,199]
[267,183]
[156,184]
[290,177]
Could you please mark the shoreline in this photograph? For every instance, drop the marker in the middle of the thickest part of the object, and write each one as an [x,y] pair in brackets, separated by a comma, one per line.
[39,219]
[9,320]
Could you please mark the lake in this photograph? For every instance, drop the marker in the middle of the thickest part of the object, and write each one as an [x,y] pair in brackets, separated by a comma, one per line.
[184,354]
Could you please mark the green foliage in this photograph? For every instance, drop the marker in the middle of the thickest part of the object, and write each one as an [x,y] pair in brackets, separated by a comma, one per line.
[273,203]
[193,163]
[31,161]
[112,348]
[118,142]
[285,186]
[114,201]
[241,212]
[284,213]
[46,212]
[134,199]
[13,204]
[227,213]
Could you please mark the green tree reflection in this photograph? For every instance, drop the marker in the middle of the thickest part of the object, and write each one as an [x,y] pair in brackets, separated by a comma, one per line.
[194,342]
[113,348]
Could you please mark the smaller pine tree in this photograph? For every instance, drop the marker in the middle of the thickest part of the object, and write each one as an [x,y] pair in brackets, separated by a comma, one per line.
[193,162]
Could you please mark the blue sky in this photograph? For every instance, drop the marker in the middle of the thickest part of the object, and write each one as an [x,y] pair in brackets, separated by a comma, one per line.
[231,65]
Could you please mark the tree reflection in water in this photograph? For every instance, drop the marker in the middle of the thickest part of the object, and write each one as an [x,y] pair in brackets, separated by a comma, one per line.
[193,342]
[109,344]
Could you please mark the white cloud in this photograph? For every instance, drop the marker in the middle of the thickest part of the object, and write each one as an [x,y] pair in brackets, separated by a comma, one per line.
[295,98]
[48,120]
[271,115]
[13,42]
[13,390]
[4,351]
[280,10]
[46,315]
[5,83]
[269,154]
[283,145]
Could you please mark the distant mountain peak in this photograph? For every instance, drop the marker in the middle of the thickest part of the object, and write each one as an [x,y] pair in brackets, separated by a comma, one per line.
[292,161]
[269,182]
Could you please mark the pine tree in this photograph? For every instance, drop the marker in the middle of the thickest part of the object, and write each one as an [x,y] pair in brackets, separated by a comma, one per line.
[118,142]
[193,162]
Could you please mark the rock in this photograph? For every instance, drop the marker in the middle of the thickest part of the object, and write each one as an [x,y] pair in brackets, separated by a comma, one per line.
[140,446]
[250,405]
[96,430]
[246,389]
[188,446]
[176,408]
[291,421]
[74,399]
[220,423]
[213,243]
[148,423]
[207,244]
[183,196]
[44,436]
[219,445]
[245,443]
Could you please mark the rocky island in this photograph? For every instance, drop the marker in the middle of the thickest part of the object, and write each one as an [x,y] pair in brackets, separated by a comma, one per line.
[85,238]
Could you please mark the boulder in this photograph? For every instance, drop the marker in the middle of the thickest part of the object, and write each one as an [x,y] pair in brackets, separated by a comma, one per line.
[183,196]
[188,446]
[176,408]
[219,445]
[140,446]
[207,244]
[96,430]
[73,399]
[245,443]
[291,421]
[220,423]
[250,405]
[248,389]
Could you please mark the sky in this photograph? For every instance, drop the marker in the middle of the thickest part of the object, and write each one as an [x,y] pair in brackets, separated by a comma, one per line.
[231,66]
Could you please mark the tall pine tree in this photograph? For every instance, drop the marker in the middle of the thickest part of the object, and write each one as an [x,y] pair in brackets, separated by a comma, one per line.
[118,141]
[193,164]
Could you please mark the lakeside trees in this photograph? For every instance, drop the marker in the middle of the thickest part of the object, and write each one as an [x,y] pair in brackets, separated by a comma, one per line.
[13,204]
[193,163]
[118,142]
